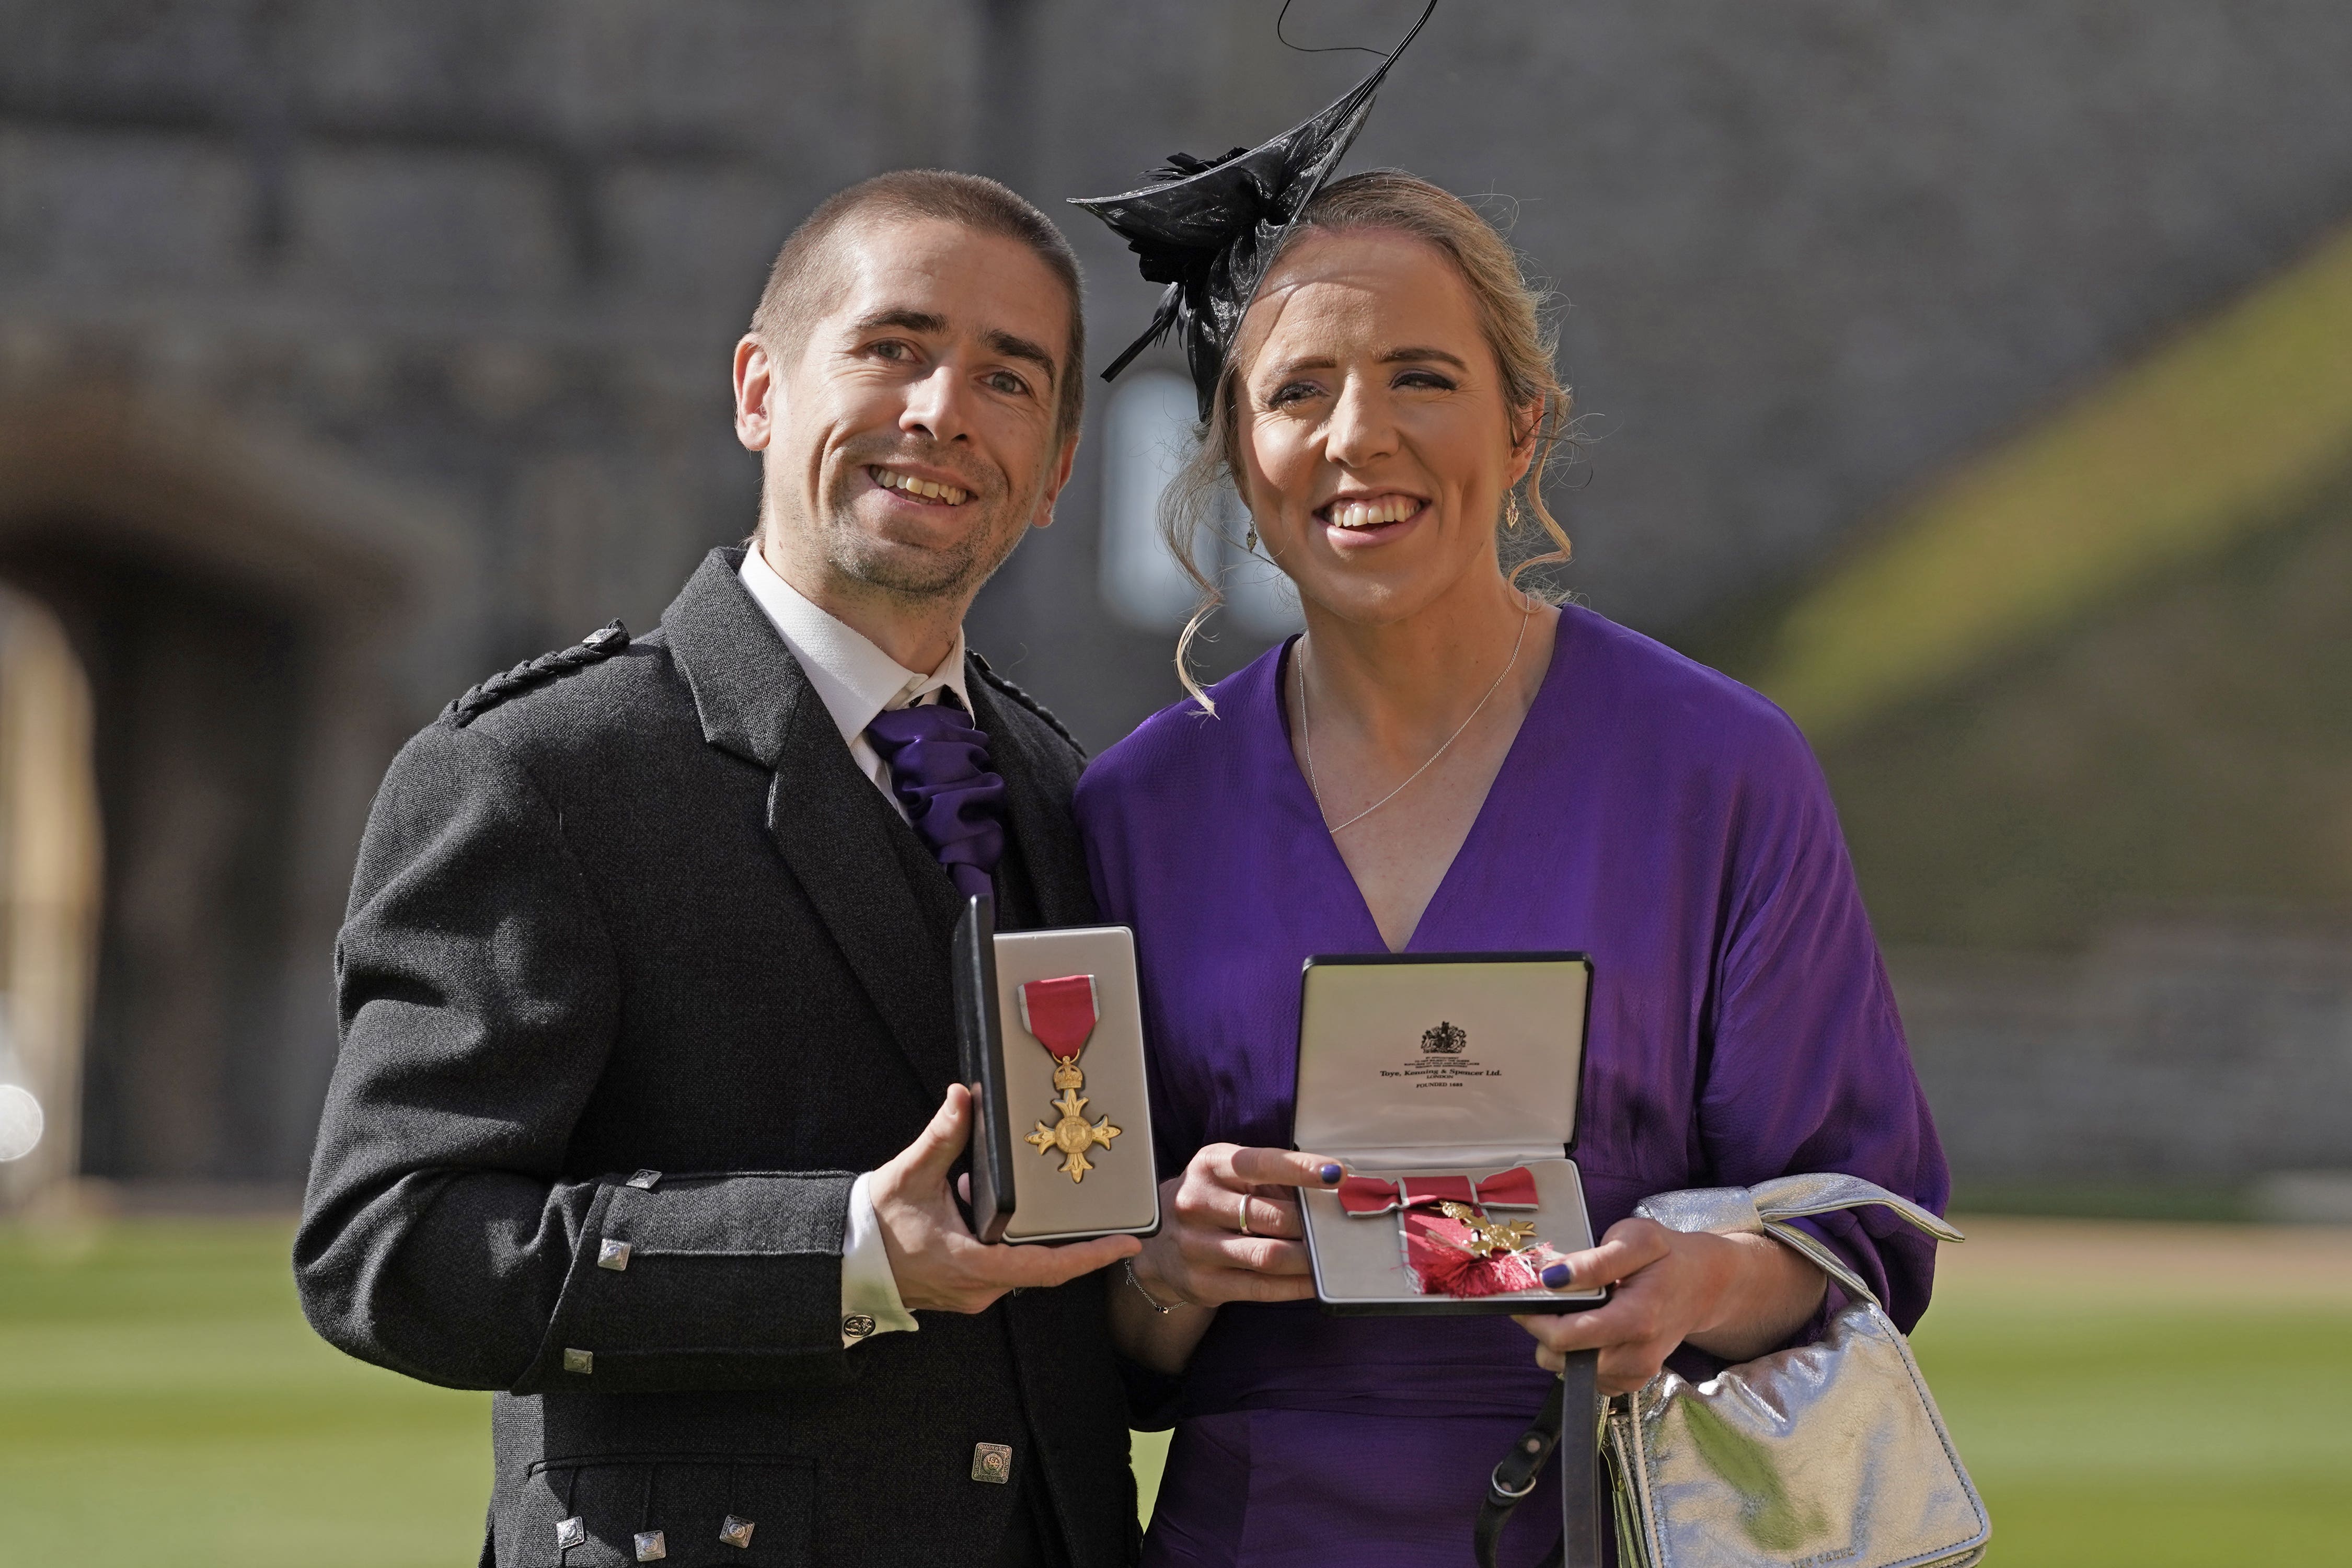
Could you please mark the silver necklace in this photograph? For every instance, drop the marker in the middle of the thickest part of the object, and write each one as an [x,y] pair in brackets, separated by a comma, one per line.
[1306,732]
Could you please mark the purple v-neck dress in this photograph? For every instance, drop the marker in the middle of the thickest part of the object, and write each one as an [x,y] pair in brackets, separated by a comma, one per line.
[1651,813]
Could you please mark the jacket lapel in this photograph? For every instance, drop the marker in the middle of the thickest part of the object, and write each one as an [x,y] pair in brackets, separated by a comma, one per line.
[836,832]
[1043,833]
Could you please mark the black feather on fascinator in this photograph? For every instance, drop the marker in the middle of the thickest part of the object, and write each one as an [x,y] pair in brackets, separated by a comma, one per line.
[1207,227]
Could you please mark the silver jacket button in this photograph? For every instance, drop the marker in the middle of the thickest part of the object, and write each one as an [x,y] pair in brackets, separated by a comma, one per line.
[651,1547]
[613,1255]
[571,1532]
[582,1361]
[992,1462]
[737,1532]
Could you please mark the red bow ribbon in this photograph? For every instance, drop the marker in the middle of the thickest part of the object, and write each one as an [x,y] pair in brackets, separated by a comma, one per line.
[1511,1189]
[1060,1013]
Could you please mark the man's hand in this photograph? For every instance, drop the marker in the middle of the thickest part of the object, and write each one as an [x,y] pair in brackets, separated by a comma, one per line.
[935,1259]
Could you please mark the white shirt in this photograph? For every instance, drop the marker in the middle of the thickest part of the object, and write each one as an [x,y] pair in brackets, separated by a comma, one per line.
[857,682]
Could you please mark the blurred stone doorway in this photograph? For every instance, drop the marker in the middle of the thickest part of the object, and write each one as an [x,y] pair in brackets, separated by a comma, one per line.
[50,879]
[195,697]
[253,624]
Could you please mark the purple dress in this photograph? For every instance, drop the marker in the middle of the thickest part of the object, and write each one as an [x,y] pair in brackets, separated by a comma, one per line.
[1651,813]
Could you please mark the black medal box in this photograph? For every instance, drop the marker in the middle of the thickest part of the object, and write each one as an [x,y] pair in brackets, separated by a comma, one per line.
[1443,1075]
[1050,1026]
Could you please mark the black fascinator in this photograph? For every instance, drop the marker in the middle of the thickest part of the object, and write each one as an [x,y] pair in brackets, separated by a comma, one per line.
[1207,227]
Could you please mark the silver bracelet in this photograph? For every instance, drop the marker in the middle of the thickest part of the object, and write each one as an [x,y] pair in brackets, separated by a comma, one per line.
[1148,1299]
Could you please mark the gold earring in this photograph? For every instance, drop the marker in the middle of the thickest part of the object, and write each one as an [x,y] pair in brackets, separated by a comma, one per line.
[1511,511]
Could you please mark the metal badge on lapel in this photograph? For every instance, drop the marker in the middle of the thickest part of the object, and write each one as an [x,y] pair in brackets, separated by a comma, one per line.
[1061,1015]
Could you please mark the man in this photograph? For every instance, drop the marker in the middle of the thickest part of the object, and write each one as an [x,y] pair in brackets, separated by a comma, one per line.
[647,961]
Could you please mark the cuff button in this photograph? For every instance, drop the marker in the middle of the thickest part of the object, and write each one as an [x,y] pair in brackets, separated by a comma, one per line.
[858,1325]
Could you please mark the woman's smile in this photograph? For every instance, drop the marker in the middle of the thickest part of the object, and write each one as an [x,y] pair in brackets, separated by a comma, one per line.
[1360,520]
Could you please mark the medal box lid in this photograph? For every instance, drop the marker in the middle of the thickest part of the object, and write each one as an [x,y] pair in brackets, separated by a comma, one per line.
[1413,1060]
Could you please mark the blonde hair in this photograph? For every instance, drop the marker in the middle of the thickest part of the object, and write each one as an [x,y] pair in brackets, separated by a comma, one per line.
[1511,315]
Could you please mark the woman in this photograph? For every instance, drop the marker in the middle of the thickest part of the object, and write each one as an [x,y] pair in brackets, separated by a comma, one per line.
[1445,763]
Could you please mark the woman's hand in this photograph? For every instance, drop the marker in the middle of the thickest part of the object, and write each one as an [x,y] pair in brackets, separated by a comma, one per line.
[1732,1296]
[1230,1229]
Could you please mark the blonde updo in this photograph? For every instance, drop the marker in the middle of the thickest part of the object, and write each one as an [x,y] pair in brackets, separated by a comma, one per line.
[1511,314]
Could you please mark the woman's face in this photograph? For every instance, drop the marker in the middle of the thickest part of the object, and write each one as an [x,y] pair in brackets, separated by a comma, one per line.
[1375,440]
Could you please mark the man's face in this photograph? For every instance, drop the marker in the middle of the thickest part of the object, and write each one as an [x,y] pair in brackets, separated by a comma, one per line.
[911,435]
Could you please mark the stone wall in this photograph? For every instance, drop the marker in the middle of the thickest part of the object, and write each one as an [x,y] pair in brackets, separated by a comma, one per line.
[497,250]
[405,322]
[2174,1051]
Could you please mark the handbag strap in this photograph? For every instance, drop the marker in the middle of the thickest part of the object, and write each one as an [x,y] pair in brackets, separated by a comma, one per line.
[1514,1480]
[1766,1209]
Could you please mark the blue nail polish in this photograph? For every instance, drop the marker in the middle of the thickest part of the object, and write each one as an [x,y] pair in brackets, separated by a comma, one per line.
[1557,1277]
[1330,1174]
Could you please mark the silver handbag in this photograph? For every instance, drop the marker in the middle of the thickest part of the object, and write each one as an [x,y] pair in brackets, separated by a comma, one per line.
[1829,1455]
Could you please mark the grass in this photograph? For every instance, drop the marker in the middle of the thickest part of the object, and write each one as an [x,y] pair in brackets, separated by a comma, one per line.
[2123,1394]
[161,1399]
[2159,1395]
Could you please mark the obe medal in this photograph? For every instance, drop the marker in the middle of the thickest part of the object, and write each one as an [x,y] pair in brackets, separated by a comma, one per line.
[1060,1015]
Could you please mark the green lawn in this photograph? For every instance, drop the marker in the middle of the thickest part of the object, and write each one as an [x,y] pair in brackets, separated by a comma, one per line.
[161,1401]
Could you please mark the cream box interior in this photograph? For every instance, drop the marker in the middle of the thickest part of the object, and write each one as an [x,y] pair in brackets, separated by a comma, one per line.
[1441,1064]
[1025,1189]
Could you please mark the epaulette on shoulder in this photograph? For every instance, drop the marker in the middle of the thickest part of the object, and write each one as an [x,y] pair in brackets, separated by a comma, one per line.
[594,648]
[1031,703]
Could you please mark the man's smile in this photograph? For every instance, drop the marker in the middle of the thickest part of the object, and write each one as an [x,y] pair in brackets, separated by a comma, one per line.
[915,488]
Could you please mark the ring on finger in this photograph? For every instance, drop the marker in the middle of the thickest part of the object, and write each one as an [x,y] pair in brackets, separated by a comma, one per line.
[1245,1229]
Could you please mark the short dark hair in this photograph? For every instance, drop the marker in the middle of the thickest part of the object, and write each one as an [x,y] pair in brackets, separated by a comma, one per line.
[971,200]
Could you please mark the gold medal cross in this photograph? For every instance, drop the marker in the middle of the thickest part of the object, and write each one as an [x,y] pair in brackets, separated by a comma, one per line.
[1489,1236]
[1073,1135]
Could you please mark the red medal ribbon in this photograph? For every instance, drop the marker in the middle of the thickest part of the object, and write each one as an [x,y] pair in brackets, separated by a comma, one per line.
[1511,1189]
[1441,1264]
[1060,1013]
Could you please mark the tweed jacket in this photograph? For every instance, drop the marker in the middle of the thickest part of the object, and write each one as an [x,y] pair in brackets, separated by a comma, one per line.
[639,973]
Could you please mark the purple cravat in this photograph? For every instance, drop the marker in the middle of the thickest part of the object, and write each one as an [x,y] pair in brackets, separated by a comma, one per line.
[939,772]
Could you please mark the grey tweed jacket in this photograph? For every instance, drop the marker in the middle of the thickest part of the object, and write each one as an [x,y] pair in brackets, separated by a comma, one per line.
[645,915]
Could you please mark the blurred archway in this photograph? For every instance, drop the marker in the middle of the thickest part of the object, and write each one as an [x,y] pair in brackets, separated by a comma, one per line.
[195,701]
[50,879]
[221,609]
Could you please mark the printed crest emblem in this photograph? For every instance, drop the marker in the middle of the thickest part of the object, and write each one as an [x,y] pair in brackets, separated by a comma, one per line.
[1445,1040]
